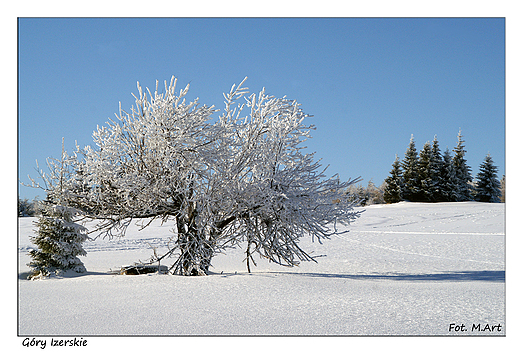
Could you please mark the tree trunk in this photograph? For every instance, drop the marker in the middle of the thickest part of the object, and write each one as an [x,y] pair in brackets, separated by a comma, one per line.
[196,250]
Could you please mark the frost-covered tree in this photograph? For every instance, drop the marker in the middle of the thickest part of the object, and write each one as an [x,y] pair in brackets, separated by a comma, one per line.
[392,190]
[462,171]
[503,189]
[357,193]
[242,179]
[487,185]
[374,193]
[59,240]
[366,196]
[411,181]
[25,208]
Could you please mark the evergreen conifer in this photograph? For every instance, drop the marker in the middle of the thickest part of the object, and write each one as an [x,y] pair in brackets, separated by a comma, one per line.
[424,171]
[59,242]
[462,171]
[392,190]
[448,179]
[411,183]
[436,164]
[488,186]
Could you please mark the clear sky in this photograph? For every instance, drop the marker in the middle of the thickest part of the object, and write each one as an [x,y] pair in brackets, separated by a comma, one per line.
[368,82]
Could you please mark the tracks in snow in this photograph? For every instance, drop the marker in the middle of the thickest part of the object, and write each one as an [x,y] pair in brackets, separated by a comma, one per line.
[117,245]
[386,248]
[422,233]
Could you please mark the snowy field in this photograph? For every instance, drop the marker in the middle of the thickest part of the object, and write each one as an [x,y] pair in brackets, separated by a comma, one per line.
[403,269]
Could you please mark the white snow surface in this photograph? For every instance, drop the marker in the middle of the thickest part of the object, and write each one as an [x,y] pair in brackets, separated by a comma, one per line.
[402,269]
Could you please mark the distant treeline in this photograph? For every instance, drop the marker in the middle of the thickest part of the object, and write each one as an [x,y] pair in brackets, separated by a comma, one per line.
[432,176]
[27,208]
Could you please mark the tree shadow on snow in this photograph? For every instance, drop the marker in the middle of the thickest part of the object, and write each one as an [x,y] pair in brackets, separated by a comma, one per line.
[69,274]
[454,276]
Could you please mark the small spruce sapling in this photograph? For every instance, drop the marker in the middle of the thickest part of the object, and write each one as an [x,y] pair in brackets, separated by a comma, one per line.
[59,242]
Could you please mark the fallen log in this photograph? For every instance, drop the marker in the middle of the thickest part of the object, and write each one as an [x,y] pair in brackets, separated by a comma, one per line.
[139,269]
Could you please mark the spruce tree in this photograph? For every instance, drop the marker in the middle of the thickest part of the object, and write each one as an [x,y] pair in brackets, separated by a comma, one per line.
[488,186]
[424,170]
[449,183]
[436,172]
[59,242]
[392,190]
[411,183]
[462,171]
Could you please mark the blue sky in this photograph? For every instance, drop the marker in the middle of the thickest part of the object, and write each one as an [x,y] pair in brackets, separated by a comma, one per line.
[368,82]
